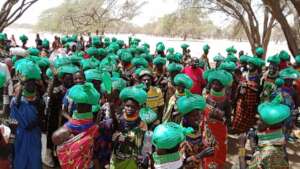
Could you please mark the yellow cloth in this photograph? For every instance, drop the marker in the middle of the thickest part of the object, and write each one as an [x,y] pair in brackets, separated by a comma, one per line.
[155,98]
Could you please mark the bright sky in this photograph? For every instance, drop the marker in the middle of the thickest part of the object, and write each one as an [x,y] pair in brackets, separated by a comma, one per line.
[149,12]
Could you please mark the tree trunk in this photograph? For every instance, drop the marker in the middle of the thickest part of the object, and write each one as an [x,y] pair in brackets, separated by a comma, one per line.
[289,34]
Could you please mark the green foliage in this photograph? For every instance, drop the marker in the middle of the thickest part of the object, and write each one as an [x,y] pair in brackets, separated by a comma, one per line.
[76,16]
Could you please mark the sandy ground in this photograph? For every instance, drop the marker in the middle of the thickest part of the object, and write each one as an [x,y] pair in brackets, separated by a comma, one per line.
[232,156]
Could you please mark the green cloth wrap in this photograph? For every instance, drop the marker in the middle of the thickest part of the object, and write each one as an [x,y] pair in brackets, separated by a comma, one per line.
[284,55]
[231,50]
[23,38]
[92,51]
[244,58]
[274,59]
[33,51]
[183,79]
[90,63]
[159,61]
[259,51]
[174,67]
[95,41]
[67,69]
[184,46]
[117,84]
[92,74]
[45,43]
[147,115]
[2,37]
[186,104]
[279,82]
[273,113]
[219,58]
[126,56]
[29,70]
[228,66]
[135,93]
[160,47]
[61,61]
[139,61]
[231,58]
[43,62]
[84,93]
[206,48]
[224,77]
[289,73]
[169,135]
[258,62]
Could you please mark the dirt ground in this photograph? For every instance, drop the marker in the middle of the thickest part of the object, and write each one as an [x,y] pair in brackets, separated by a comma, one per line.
[232,155]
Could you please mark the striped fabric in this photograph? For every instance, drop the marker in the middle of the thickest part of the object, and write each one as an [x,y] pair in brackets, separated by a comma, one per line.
[155,98]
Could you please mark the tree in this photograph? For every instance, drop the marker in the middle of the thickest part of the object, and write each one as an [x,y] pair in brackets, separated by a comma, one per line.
[89,15]
[184,22]
[245,12]
[279,10]
[12,10]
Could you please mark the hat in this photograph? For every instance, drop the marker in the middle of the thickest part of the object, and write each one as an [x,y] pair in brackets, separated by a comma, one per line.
[184,46]
[2,37]
[189,102]
[279,82]
[92,74]
[45,43]
[43,62]
[160,47]
[284,55]
[224,77]
[259,51]
[28,70]
[147,115]
[289,73]
[159,61]
[244,58]
[274,59]
[219,58]
[139,61]
[126,56]
[231,50]
[135,93]
[67,69]
[169,135]
[171,50]
[33,51]
[84,93]
[183,79]
[117,84]
[206,48]
[231,58]
[174,67]
[273,113]
[92,51]
[90,63]
[61,61]
[23,38]
[95,40]
[256,61]
[228,66]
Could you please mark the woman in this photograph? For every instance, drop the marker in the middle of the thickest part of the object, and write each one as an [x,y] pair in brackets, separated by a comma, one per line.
[76,138]
[181,83]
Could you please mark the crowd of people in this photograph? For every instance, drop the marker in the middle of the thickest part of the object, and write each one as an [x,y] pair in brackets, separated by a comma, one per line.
[105,103]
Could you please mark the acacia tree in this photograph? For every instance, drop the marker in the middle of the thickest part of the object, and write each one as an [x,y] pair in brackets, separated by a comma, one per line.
[90,15]
[245,12]
[12,10]
[279,8]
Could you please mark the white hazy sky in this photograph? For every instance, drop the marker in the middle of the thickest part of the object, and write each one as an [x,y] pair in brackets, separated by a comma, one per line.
[149,12]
